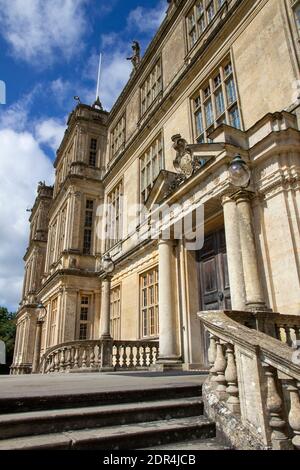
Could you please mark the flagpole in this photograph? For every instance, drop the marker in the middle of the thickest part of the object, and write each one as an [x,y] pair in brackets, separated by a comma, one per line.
[99,77]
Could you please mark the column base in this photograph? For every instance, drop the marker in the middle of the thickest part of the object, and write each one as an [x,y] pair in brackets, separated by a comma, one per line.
[165,364]
[257,307]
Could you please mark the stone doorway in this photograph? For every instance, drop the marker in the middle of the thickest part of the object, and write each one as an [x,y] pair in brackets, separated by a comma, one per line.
[213,273]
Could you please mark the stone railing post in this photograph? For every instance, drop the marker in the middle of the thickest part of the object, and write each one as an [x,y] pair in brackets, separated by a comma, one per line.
[231,377]
[294,414]
[279,436]
[220,367]
[212,353]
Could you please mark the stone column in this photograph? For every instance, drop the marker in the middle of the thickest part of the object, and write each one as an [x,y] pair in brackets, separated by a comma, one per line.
[105,337]
[254,293]
[167,324]
[234,254]
[37,347]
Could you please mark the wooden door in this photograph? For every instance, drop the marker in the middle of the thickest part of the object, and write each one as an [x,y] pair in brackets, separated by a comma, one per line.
[214,281]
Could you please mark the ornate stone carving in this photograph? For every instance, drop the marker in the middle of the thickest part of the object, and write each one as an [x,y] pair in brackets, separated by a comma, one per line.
[187,162]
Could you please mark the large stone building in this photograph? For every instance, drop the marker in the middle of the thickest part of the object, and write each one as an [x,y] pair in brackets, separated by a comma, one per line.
[219,79]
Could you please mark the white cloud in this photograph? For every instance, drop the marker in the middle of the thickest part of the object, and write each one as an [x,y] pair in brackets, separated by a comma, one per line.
[38,30]
[144,19]
[16,115]
[50,132]
[22,165]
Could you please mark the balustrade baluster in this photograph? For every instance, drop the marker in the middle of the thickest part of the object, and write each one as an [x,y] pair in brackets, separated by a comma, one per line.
[56,361]
[278,332]
[212,353]
[232,389]
[151,356]
[297,333]
[294,414]
[124,356]
[220,366]
[287,330]
[92,357]
[118,357]
[279,436]
[97,356]
[68,359]
[138,356]
[62,360]
[131,357]
[84,358]
[76,358]
[144,357]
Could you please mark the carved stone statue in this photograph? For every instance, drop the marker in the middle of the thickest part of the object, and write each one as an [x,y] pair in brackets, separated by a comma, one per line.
[136,56]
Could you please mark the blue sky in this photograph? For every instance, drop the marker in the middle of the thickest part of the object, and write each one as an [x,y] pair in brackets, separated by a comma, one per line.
[49,52]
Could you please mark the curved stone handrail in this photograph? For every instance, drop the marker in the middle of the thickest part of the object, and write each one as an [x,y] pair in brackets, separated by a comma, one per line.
[79,354]
[254,374]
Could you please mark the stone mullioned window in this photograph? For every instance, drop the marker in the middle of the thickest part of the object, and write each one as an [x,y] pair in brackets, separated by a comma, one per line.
[149,303]
[199,18]
[150,165]
[115,313]
[88,227]
[151,87]
[93,152]
[84,317]
[117,137]
[216,103]
[114,216]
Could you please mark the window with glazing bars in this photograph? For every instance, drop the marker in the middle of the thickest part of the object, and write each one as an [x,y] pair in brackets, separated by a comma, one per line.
[114,217]
[117,137]
[151,87]
[84,317]
[93,152]
[149,303]
[150,165]
[216,103]
[53,321]
[88,227]
[199,18]
[115,313]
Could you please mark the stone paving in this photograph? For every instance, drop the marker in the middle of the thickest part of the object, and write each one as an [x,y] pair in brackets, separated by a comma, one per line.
[64,384]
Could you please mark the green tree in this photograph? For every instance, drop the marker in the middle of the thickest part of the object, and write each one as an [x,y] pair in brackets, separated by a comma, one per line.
[8,332]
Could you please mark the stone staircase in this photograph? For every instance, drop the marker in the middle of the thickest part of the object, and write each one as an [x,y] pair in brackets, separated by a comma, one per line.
[133,419]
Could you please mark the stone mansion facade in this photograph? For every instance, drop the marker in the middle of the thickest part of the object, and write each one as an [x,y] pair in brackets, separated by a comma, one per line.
[219,79]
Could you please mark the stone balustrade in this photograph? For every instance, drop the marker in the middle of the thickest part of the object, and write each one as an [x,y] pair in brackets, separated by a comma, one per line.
[287,328]
[253,384]
[86,355]
[134,354]
[74,355]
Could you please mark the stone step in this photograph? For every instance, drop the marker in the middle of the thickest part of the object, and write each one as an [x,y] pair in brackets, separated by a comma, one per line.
[131,436]
[55,421]
[79,400]
[197,444]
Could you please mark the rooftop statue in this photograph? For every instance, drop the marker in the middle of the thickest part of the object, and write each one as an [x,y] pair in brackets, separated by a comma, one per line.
[136,57]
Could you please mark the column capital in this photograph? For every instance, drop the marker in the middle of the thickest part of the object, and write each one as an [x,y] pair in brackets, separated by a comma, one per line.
[243,196]
[163,241]
[106,277]
[226,198]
